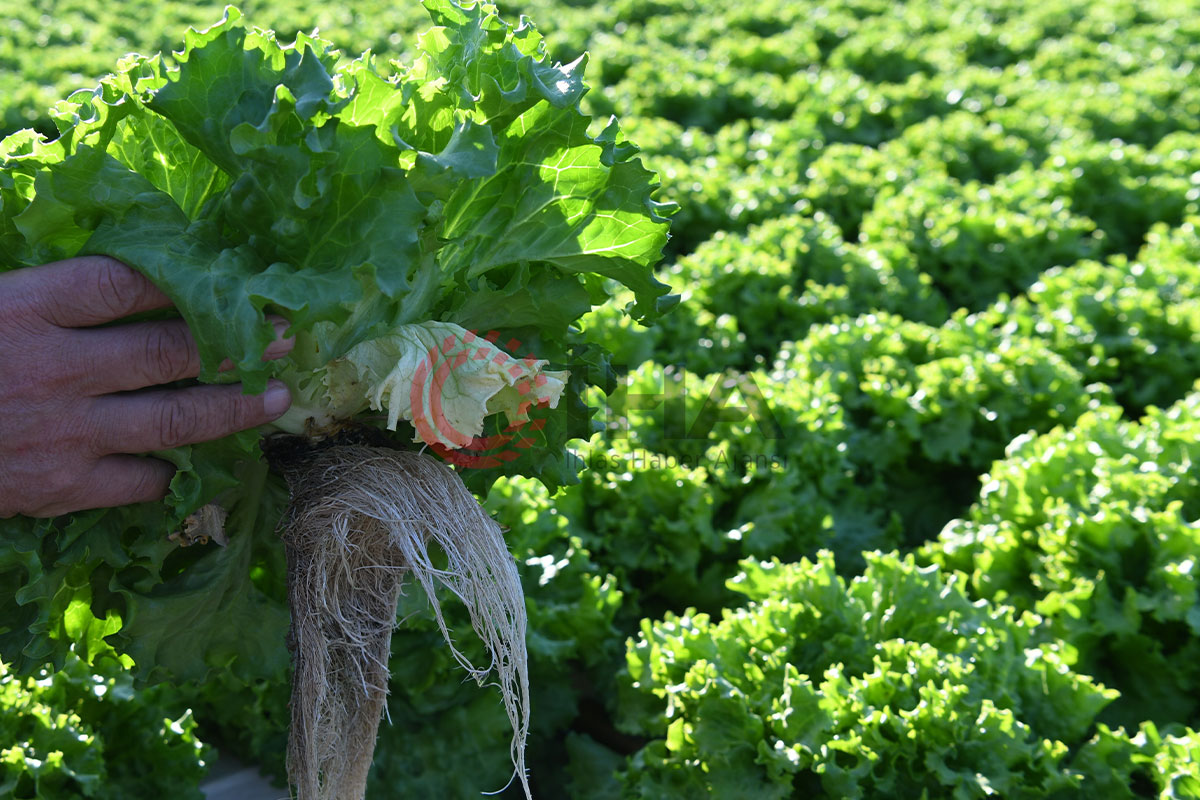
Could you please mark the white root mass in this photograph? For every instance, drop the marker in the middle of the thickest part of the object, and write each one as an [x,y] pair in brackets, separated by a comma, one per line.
[361,520]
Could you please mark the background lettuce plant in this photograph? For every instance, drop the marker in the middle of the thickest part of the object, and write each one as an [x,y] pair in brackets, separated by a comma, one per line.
[1026,175]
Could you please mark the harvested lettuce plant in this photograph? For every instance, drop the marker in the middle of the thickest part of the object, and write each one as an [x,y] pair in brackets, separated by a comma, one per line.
[432,231]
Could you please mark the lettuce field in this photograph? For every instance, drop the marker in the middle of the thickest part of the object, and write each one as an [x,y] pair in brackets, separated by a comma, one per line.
[900,499]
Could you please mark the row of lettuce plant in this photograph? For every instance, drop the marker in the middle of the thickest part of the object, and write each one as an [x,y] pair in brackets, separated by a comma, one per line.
[936,266]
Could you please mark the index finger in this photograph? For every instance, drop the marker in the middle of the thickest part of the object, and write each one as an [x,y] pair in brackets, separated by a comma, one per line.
[91,290]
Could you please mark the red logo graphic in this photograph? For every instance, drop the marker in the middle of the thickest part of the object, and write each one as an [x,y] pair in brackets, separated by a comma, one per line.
[468,450]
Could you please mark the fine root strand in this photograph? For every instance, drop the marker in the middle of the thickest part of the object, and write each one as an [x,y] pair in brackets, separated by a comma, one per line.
[361,520]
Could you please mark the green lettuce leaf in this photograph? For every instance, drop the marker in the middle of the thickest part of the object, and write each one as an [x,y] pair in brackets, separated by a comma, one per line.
[463,189]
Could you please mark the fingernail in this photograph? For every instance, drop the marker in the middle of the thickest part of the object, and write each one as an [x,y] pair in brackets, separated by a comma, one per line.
[277,399]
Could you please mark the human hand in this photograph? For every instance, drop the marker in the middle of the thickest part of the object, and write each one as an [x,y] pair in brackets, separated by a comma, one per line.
[71,413]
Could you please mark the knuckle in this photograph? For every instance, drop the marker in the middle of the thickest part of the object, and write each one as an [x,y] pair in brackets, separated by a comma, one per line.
[85,433]
[167,354]
[57,485]
[43,491]
[117,287]
[146,484]
[180,421]
[245,413]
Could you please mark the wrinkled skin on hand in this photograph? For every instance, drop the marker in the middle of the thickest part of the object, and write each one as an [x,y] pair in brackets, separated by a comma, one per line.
[80,398]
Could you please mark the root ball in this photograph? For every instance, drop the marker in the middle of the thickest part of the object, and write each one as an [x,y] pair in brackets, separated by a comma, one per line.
[361,520]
